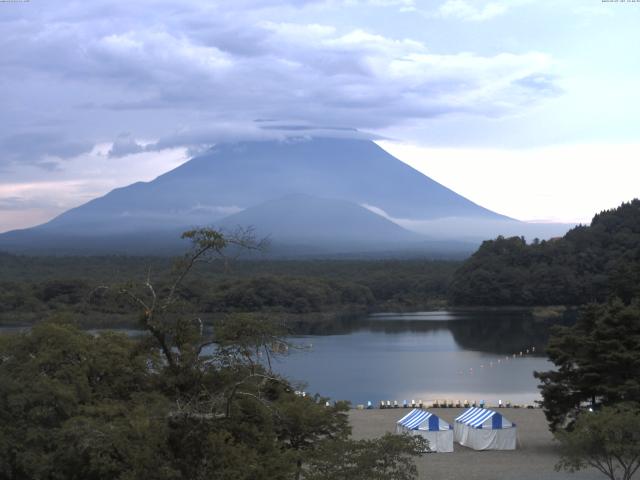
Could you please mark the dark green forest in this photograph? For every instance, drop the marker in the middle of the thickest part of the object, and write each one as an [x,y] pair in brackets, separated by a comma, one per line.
[589,264]
[36,288]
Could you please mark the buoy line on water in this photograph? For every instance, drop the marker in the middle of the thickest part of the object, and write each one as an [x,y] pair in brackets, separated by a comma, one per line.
[499,361]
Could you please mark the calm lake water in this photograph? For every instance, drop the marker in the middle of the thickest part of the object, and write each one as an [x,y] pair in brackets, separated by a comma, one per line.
[444,355]
[426,355]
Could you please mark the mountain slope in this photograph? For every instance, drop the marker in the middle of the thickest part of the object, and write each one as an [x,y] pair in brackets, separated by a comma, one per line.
[300,218]
[238,183]
[232,177]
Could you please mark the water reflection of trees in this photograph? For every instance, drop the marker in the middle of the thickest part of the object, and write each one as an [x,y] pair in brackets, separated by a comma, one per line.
[502,333]
[503,336]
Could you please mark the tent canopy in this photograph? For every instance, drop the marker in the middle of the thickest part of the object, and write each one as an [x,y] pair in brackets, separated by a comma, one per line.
[423,420]
[484,418]
[423,423]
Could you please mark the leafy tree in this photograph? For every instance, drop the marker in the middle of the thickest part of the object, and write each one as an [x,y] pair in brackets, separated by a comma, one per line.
[589,264]
[71,404]
[306,422]
[607,440]
[184,402]
[597,362]
[391,456]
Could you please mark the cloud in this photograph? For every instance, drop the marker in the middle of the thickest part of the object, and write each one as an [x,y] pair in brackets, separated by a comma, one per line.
[178,78]
[403,5]
[12,203]
[466,10]
[40,148]
[124,145]
[82,72]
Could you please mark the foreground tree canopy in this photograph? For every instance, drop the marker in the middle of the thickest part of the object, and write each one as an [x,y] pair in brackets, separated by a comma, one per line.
[608,440]
[179,403]
[597,362]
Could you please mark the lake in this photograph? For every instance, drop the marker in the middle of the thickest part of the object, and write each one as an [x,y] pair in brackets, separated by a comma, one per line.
[438,355]
[425,355]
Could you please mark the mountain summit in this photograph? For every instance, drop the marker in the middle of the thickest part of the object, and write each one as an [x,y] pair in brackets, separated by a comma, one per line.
[232,177]
[335,184]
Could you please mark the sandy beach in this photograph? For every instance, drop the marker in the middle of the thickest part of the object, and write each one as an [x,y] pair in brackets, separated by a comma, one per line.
[534,459]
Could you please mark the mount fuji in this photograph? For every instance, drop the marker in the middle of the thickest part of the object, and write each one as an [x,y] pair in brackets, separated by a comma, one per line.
[319,194]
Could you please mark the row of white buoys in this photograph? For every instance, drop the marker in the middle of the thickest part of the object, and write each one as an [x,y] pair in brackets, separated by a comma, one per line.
[500,361]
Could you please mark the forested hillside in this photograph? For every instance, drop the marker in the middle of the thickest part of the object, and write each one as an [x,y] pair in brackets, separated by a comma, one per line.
[35,288]
[590,263]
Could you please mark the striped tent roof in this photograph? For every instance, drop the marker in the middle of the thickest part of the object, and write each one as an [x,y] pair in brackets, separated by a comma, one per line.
[417,417]
[475,417]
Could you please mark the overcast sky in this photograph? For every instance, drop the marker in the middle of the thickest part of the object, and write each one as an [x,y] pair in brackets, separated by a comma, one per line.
[530,108]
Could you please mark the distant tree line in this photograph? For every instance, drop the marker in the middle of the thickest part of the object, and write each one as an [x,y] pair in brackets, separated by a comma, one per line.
[59,285]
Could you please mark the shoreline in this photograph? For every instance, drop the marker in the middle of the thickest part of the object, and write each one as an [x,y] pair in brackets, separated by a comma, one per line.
[129,319]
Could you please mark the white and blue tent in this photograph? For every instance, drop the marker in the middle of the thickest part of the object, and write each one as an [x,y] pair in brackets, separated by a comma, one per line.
[484,429]
[424,423]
